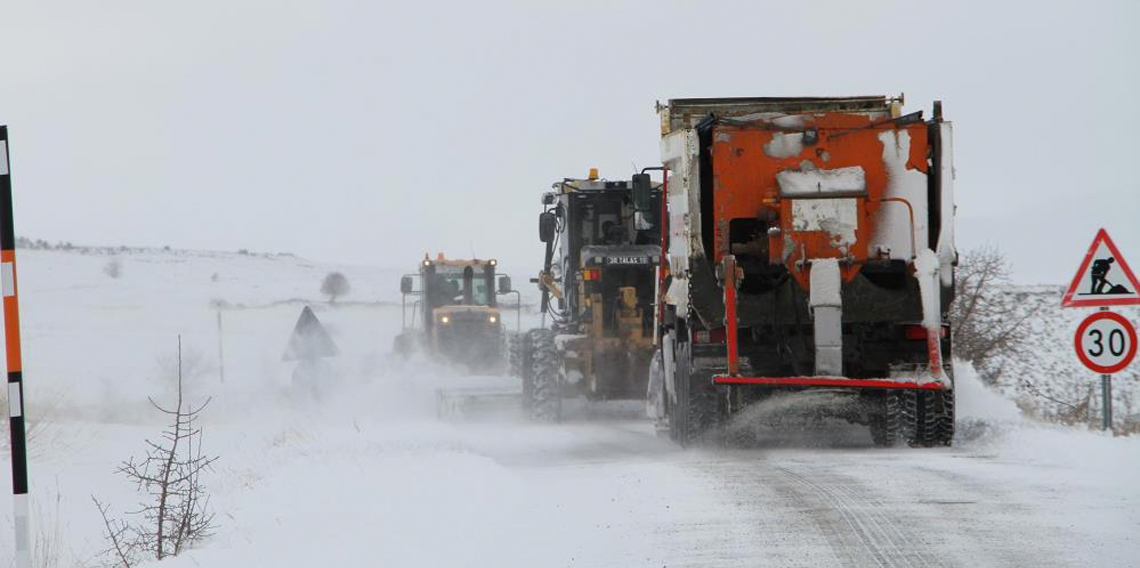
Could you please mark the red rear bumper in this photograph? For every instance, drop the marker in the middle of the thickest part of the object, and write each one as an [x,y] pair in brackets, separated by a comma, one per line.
[829,382]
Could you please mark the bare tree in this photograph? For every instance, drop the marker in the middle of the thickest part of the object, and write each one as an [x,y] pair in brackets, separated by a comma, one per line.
[122,545]
[335,284]
[176,512]
[985,319]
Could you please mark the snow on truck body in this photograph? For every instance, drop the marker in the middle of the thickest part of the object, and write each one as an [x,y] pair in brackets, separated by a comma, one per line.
[795,229]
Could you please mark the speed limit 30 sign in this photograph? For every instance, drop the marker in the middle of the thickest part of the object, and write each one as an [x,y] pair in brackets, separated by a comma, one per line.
[1106,342]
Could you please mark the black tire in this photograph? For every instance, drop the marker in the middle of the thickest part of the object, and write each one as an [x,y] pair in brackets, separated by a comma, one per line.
[949,419]
[656,394]
[546,373]
[881,435]
[898,423]
[697,410]
[526,371]
[404,345]
[515,354]
[938,418]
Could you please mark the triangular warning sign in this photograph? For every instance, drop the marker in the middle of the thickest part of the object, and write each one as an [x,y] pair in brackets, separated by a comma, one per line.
[309,340]
[1103,279]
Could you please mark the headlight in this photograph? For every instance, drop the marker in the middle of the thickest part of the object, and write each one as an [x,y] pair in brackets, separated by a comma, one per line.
[492,319]
[494,262]
[444,319]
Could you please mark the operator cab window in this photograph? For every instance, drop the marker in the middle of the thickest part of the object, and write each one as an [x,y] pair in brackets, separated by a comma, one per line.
[449,290]
[602,223]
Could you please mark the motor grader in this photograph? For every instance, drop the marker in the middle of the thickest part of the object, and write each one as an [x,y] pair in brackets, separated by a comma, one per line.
[598,286]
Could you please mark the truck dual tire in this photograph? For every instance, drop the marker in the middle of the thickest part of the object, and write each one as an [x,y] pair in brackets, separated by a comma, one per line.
[915,418]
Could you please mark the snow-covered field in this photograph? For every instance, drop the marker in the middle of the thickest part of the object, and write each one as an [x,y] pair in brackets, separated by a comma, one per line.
[369,476]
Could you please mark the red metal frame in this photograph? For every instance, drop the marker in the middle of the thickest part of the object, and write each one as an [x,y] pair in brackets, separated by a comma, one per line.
[827,382]
[934,350]
[729,265]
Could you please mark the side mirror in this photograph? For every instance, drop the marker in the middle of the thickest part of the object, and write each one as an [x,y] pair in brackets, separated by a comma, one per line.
[504,284]
[406,285]
[547,225]
[642,193]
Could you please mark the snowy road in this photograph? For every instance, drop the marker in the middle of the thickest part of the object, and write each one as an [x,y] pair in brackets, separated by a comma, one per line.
[371,477]
[855,505]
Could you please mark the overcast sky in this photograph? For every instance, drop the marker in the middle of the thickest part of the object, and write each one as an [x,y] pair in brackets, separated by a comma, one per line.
[369,132]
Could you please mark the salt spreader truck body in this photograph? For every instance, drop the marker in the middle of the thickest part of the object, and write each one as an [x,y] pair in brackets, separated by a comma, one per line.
[810,246]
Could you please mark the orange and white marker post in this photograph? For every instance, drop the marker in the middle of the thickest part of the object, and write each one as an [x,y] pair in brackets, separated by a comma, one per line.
[19,442]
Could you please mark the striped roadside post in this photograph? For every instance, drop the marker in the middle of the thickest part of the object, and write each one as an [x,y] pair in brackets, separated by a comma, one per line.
[19,442]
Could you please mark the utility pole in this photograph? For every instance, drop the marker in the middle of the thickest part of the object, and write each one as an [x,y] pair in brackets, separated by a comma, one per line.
[16,409]
[221,350]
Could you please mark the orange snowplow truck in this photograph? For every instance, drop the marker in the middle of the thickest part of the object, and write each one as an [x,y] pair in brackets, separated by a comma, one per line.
[809,246]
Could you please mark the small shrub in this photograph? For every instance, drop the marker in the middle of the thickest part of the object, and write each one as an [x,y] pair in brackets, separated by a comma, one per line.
[114,269]
[334,285]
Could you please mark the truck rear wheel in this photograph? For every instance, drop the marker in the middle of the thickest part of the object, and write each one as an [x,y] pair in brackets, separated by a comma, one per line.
[898,423]
[697,408]
[915,418]
[938,418]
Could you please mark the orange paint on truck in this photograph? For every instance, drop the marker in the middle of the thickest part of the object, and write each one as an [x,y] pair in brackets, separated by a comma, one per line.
[745,184]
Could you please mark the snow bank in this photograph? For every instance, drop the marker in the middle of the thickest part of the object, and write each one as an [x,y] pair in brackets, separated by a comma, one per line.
[975,401]
[990,422]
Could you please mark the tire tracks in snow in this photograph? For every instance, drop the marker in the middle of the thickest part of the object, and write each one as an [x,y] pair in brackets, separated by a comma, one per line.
[855,519]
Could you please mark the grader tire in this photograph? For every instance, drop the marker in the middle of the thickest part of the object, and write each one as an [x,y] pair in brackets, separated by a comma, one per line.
[515,354]
[545,376]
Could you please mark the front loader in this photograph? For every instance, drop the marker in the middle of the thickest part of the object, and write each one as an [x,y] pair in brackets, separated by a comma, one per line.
[456,319]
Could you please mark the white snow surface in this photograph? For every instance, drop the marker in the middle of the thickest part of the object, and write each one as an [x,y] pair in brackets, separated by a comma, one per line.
[814,182]
[926,268]
[839,218]
[825,282]
[784,145]
[369,476]
[947,250]
[893,226]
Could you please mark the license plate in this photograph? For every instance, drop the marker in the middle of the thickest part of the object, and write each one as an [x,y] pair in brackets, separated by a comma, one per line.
[626,260]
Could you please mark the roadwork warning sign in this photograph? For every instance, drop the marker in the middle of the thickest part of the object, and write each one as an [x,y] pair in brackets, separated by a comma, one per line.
[1104,278]
[309,341]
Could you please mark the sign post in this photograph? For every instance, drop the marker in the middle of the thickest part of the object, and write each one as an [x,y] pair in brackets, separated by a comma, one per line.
[16,409]
[1105,341]
[1106,402]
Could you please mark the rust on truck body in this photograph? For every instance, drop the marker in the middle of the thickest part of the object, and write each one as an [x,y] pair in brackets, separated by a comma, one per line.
[745,184]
